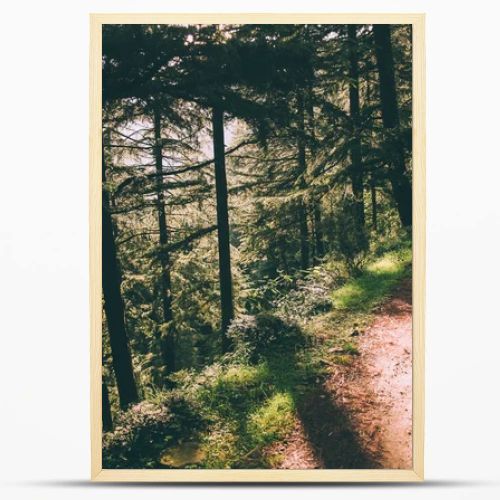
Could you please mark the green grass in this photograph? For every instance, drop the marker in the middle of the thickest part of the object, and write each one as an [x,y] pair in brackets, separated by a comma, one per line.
[274,419]
[372,287]
[250,407]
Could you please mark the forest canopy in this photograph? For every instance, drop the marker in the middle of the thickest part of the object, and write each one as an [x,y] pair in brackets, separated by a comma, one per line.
[241,166]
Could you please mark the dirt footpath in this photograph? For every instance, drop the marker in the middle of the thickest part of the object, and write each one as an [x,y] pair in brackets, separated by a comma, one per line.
[361,416]
[376,390]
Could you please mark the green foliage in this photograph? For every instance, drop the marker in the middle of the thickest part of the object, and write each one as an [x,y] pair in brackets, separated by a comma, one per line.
[228,413]
[273,420]
[195,304]
[351,240]
[396,240]
[263,294]
[309,296]
[256,338]
[143,431]
[304,267]
[246,408]
[374,284]
[343,360]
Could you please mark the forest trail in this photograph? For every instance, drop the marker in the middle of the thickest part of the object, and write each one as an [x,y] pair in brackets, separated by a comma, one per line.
[244,245]
[361,416]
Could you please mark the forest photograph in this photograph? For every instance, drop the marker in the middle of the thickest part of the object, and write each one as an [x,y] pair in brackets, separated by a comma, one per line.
[257,246]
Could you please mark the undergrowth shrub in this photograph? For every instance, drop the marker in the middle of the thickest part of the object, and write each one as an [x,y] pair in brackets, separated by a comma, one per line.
[144,430]
[311,295]
[382,243]
[255,338]
[246,400]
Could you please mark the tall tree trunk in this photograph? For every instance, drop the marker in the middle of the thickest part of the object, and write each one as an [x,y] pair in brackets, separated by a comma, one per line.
[356,158]
[373,190]
[373,184]
[167,334]
[114,307]
[107,419]
[225,279]
[318,229]
[400,183]
[301,158]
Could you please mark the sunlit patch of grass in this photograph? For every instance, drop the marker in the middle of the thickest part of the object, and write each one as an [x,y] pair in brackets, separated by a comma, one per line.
[243,375]
[235,391]
[221,446]
[363,293]
[274,460]
[273,420]
[249,407]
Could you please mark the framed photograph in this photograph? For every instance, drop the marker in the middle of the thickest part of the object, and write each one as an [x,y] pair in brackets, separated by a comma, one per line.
[257,247]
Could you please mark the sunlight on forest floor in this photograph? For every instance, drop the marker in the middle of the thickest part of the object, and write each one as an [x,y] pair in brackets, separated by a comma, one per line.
[362,293]
[257,406]
[232,414]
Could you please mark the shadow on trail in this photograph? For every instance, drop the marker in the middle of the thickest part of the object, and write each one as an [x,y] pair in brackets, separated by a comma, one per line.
[326,426]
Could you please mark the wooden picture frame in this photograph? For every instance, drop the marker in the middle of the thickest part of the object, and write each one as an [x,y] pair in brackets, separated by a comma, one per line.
[302,476]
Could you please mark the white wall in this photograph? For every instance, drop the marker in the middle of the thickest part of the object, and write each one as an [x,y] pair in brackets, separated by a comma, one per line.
[44,444]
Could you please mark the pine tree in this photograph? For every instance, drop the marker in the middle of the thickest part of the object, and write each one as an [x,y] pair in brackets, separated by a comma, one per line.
[356,170]
[398,176]
[225,278]
[167,335]
[114,307]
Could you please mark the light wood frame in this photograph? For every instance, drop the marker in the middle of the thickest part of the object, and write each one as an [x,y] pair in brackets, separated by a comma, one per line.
[264,475]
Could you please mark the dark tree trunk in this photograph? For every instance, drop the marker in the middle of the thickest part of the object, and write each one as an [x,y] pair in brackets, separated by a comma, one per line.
[356,158]
[398,177]
[302,207]
[304,233]
[107,419]
[318,229]
[167,336]
[373,190]
[225,279]
[373,185]
[114,308]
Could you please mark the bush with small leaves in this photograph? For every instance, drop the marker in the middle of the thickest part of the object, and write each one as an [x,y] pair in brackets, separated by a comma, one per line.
[311,296]
[258,337]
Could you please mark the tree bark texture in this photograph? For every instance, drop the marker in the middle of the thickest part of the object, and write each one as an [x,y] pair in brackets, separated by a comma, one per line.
[114,308]
[225,278]
[398,176]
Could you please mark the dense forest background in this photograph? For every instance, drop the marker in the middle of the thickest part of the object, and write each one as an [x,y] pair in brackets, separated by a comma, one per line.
[254,177]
